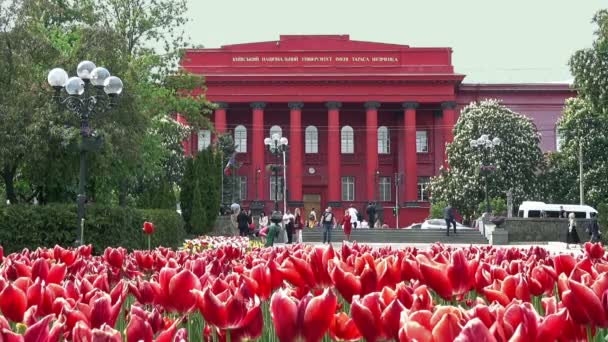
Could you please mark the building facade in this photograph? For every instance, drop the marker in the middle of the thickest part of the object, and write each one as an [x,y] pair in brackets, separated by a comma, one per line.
[365,121]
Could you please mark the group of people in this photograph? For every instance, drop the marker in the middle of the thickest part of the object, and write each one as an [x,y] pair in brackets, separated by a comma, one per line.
[293,223]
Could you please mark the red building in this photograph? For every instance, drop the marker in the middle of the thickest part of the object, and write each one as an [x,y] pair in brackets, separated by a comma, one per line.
[358,116]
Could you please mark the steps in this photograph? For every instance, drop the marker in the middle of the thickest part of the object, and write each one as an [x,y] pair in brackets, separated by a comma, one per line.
[468,236]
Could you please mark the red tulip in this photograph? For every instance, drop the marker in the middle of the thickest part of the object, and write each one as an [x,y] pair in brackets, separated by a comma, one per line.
[564,263]
[148,228]
[583,305]
[345,282]
[343,328]
[139,330]
[145,260]
[102,310]
[114,256]
[367,315]
[40,269]
[475,331]
[594,250]
[174,291]
[551,327]
[309,318]
[461,273]
[13,303]
[230,311]
[436,276]
[39,331]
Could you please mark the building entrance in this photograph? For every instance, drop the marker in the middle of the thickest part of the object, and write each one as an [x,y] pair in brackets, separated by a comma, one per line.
[311,201]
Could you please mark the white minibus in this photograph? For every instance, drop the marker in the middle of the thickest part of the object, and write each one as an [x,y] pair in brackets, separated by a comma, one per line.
[530,209]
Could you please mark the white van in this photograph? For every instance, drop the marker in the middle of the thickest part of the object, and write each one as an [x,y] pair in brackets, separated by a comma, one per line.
[535,209]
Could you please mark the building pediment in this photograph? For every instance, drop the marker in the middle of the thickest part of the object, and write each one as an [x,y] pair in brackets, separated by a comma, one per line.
[321,55]
[315,43]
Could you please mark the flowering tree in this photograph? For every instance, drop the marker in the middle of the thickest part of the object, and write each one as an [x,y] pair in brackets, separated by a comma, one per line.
[584,124]
[516,159]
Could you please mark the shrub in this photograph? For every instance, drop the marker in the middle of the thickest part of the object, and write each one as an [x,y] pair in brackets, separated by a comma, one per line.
[28,226]
[437,209]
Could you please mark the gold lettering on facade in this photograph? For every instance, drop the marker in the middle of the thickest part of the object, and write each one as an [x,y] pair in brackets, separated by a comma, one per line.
[314,59]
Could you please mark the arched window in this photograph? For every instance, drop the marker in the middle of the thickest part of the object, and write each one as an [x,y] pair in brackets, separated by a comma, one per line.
[384,140]
[311,140]
[276,130]
[348,140]
[240,138]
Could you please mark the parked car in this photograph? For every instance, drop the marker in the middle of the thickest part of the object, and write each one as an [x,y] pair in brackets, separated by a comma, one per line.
[413,226]
[440,224]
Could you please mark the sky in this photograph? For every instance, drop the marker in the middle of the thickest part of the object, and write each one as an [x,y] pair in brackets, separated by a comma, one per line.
[506,41]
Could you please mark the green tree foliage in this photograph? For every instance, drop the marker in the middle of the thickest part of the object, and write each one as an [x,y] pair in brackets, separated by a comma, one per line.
[517,158]
[200,191]
[137,40]
[227,147]
[584,123]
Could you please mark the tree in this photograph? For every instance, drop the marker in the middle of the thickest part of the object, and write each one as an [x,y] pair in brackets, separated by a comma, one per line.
[584,124]
[198,221]
[139,147]
[517,159]
[227,148]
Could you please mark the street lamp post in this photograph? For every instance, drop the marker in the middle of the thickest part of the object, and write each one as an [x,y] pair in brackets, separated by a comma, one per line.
[486,146]
[91,93]
[276,145]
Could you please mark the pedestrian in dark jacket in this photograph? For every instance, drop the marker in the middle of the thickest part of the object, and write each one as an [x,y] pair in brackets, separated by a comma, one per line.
[594,229]
[371,214]
[448,215]
[243,220]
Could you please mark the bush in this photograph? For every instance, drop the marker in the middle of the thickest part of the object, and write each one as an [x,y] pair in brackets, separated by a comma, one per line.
[437,209]
[27,226]
[498,205]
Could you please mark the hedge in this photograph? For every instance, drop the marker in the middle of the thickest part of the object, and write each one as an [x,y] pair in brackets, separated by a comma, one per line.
[33,226]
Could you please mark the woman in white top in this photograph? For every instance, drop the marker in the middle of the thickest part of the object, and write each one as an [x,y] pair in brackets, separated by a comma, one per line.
[572,234]
[263,221]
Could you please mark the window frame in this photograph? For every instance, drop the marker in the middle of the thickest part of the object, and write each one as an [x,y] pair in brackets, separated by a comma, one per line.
[243,188]
[385,189]
[426,136]
[423,188]
[204,139]
[348,181]
[240,135]
[346,133]
[384,140]
[311,144]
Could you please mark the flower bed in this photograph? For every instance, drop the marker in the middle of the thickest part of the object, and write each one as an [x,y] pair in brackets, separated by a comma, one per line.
[230,291]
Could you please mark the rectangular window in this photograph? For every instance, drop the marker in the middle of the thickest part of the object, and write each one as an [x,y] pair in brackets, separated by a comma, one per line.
[422,142]
[279,189]
[348,143]
[312,141]
[204,139]
[240,139]
[423,188]
[243,188]
[384,141]
[348,189]
[384,190]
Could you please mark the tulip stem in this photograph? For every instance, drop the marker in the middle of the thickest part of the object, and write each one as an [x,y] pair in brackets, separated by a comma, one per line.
[149,239]
[228,336]
[589,333]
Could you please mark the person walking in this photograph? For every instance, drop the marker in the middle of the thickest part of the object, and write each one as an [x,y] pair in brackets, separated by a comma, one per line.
[347,225]
[288,221]
[572,237]
[371,213]
[312,219]
[448,215]
[243,221]
[354,216]
[594,229]
[328,221]
[298,225]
